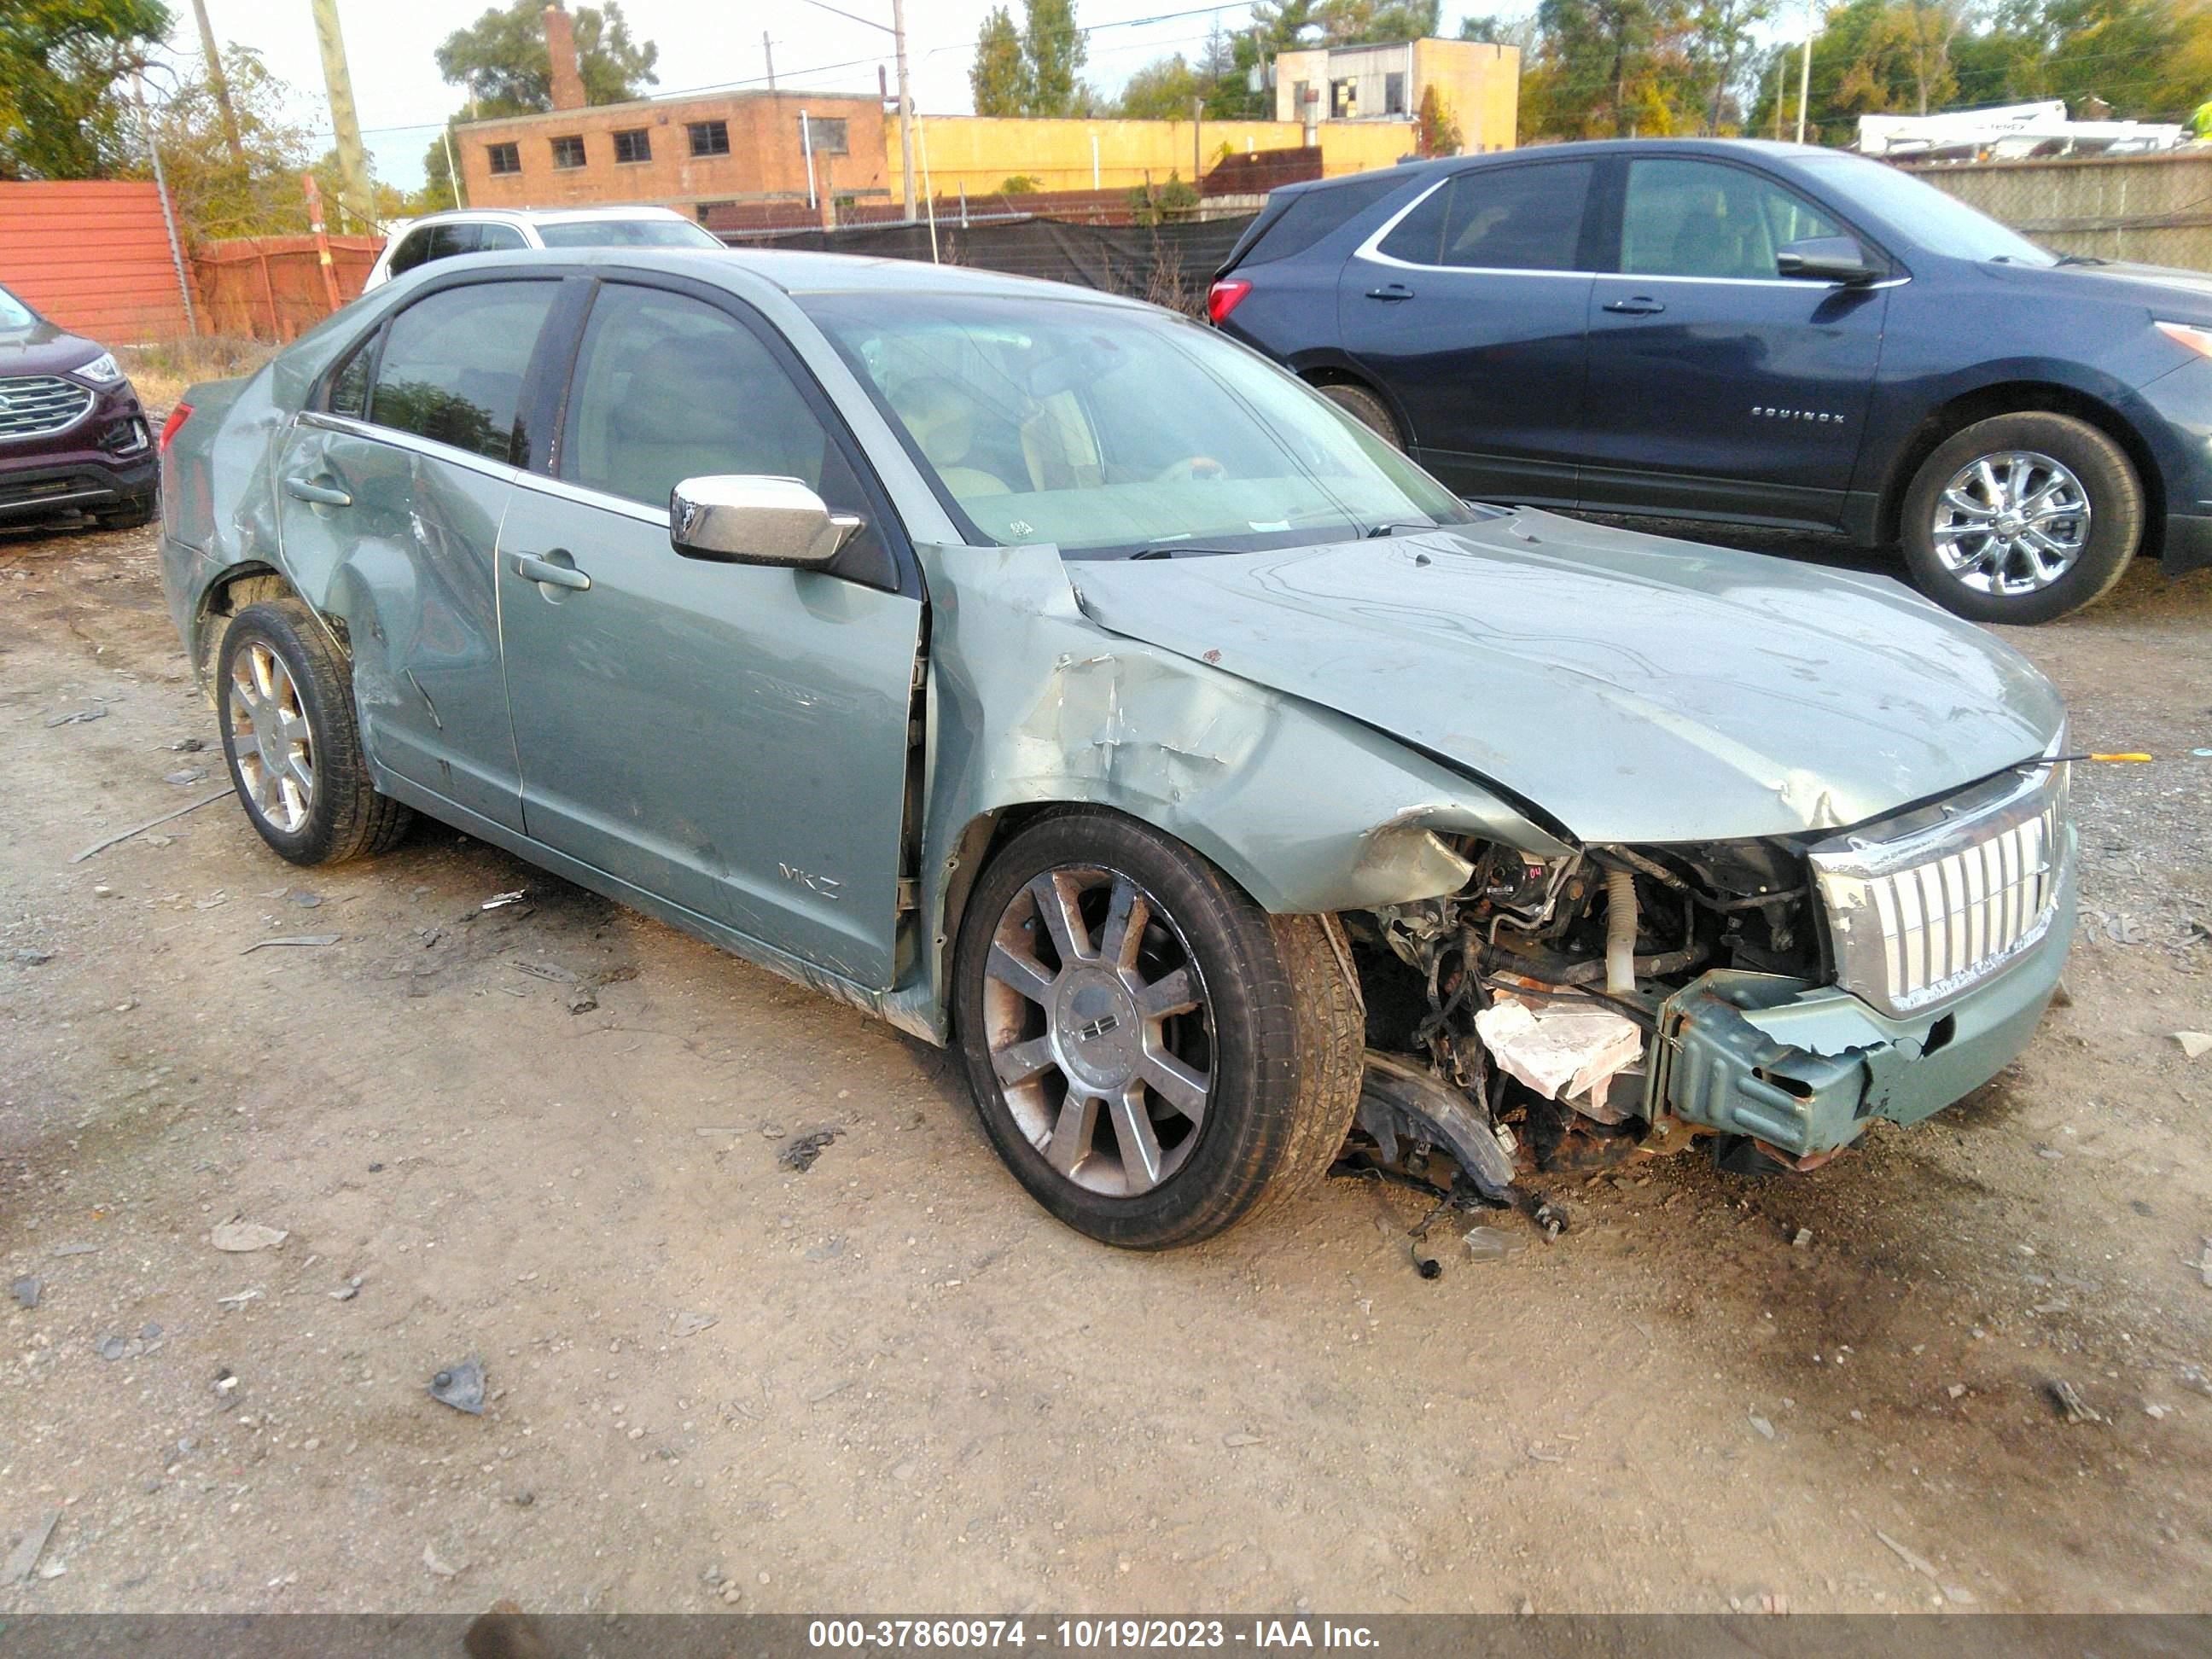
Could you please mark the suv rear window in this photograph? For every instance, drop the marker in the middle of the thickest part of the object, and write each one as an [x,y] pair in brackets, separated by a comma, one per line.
[1517,218]
[1312,216]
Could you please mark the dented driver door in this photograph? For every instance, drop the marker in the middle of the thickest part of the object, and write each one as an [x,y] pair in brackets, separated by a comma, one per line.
[730,737]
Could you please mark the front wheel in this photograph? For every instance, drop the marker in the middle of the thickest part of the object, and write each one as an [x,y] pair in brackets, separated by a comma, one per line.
[2022,518]
[1153,1055]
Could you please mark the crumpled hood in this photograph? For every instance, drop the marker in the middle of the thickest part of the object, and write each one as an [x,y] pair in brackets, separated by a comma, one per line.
[1636,688]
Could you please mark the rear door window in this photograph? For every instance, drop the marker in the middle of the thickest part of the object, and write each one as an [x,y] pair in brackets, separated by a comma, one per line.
[1517,218]
[1687,218]
[414,248]
[447,240]
[1315,213]
[452,364]
[495,239]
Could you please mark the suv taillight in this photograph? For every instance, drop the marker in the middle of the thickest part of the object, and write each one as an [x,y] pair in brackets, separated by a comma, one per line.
[1225,296]
[178,416]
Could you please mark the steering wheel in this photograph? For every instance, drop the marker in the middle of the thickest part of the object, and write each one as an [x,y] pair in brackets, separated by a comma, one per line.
[1192,467]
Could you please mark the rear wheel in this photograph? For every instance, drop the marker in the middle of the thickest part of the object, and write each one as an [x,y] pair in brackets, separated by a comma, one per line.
[288,733]
[1365,407]
[2022,518]
[1153,1055]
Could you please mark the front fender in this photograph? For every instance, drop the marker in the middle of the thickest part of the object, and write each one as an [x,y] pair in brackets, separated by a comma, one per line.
[1030,703]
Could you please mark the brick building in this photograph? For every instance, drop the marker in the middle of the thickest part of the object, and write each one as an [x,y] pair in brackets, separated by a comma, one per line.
[685,153]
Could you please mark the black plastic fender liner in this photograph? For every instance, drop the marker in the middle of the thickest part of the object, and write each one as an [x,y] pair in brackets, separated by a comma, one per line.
[1400,1100]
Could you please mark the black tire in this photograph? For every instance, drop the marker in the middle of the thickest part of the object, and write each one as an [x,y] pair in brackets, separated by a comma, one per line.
[129,516]
[1285,1036]
[2108,481]
[342,816]
[1365,407]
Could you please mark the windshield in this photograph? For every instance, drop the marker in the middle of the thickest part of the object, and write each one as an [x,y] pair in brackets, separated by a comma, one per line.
[13,314]
[1941,223]
[627,232]
[1115,433]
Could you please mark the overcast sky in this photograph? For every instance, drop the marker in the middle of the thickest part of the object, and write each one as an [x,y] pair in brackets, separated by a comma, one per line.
[403,102]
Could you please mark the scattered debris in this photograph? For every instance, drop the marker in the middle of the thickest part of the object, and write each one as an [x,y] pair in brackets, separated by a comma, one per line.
[439,1566]
[226,1389]
[2194,1044]
[1956,1391]
[185,775]
[347,1291]
[798,1154]
[689,1324]
[242,1236]
[498,899]
[1766,1428]
[2193,1377]
[150,823]
[2067,1399]
[583,999]
[239,1298]
[187,745]
[2203,1264]
[461,1387]
[1240,1438]
[1921,1564]
[1487,1244]
[25,1560]
[1539,1453]
[1552,1218]
[27,1290]
[78,716]
[113,1348]
[1802,1239]
[76,1250]
[303,898]
[31,956]
[290,939]
[2156,1411]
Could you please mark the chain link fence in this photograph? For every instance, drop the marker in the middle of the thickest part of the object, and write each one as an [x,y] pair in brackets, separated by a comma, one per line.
[2153,209]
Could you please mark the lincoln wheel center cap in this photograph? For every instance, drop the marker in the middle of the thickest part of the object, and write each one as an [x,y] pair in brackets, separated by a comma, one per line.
[1098,1033]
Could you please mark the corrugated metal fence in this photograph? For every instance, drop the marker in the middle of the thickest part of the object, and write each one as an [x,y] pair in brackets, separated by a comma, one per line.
[2157,209]
[93,255]
[271,286]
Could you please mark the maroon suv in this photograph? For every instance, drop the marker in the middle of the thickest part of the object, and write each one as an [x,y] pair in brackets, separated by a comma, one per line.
[72,436]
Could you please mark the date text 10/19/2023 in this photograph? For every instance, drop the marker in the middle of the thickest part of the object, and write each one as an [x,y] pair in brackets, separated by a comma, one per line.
[1091,1634]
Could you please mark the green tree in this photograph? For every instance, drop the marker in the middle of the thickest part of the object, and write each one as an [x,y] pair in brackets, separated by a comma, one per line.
[64,113]
[1436,130]
[218,194]
[502,58]
[1162,91]
[1053,49]
[1000,77]
[1378,22]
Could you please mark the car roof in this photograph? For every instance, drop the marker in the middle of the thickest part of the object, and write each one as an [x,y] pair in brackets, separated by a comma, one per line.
[798,273]
[1588,149]
[548,215]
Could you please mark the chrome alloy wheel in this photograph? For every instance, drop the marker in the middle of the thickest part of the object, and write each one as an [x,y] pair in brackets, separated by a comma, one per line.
[2011,523]
[1100,1029]
[271,737]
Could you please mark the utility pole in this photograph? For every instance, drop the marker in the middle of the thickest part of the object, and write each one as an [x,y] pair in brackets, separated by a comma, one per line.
[218,83]
[906,105]
[767,51]
[1805,77]
[1781,91]
[354,194]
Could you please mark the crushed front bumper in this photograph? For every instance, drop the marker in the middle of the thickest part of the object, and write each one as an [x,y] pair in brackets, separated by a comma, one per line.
[1803,1068]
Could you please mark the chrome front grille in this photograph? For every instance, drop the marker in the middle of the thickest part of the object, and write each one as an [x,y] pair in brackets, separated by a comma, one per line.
[1926,906]
[35,405]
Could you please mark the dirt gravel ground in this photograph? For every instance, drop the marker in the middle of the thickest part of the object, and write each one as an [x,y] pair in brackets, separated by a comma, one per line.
[888,1379]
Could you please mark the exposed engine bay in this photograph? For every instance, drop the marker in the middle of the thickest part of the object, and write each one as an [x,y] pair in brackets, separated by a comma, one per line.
[1511,1026]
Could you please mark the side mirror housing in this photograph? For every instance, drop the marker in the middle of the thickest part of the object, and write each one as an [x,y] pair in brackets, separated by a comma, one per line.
[743,518]
[1827,259]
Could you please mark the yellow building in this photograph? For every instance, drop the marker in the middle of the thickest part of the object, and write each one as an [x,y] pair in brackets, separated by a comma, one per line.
[1332,86]
[980,153]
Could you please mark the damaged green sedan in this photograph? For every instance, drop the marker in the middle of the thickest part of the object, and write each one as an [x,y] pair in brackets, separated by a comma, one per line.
[1063,682]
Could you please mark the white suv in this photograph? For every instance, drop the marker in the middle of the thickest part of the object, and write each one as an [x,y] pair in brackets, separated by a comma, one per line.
[490,230]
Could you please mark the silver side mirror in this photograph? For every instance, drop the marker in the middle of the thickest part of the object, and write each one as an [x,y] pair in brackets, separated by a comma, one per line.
[749,520]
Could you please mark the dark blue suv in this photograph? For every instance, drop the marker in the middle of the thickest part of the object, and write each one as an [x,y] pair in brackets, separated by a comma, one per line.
[1758,333]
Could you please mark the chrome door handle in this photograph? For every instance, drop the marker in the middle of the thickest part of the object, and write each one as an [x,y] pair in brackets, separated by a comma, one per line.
[308,489]
[532,568]
[1641,306]
[1391,292]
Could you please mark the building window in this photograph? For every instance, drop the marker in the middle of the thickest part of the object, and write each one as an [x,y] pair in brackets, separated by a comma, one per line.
[1393,95]
[1301,96]
[1344,100]
[636,145]
[825,136]
[709,137]
[505,158]
[568,152]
